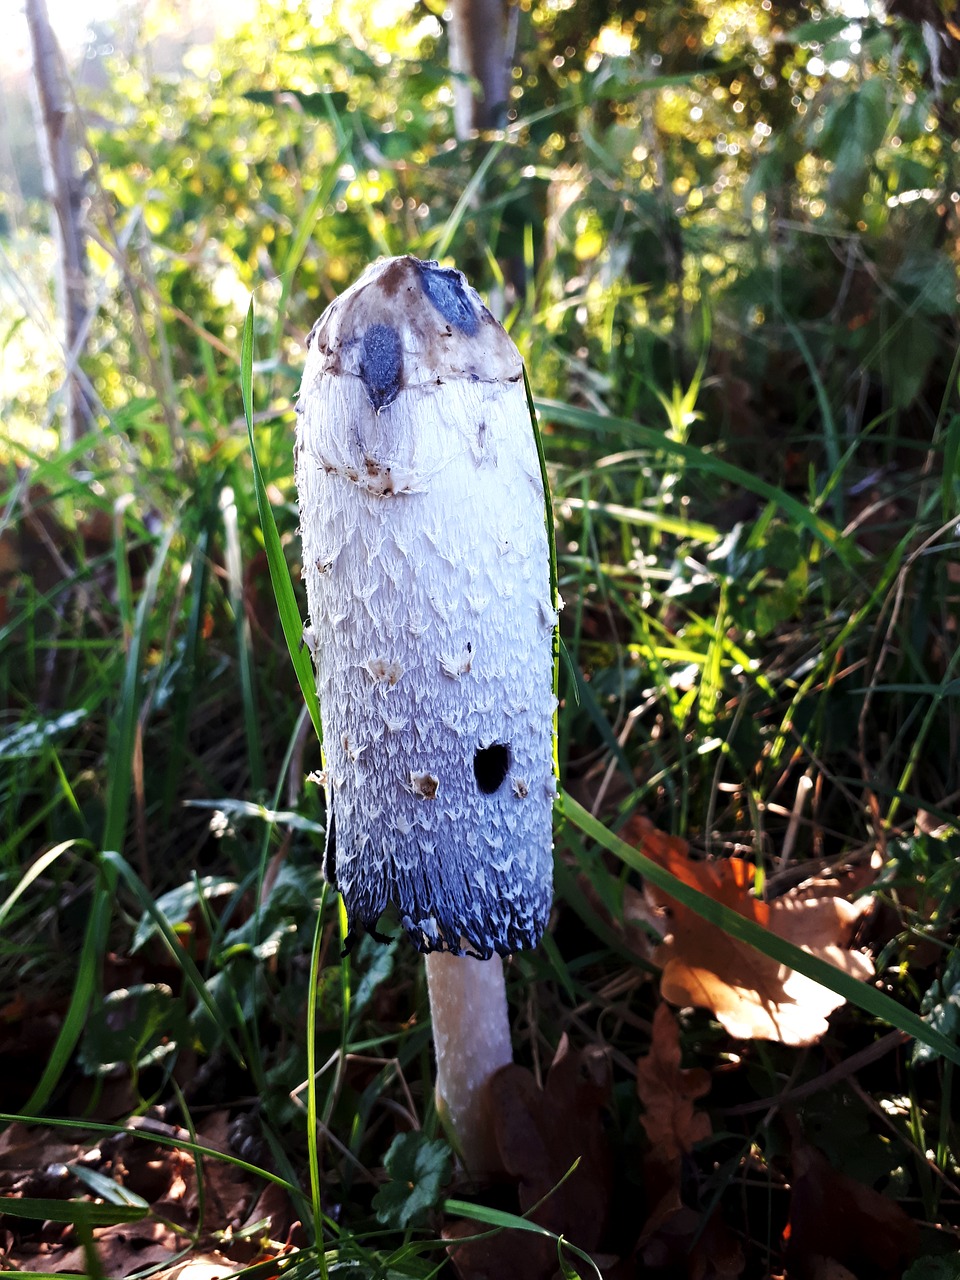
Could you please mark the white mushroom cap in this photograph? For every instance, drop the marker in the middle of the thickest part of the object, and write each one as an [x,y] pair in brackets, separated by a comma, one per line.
[427,569]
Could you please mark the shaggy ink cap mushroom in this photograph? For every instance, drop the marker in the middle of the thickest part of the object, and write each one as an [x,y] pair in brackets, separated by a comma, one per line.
[427,572]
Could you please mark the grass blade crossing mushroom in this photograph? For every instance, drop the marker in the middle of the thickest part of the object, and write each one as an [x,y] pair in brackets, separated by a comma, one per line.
[426,559]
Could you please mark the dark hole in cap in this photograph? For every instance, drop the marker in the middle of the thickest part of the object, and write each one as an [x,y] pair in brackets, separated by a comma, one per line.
[490,765]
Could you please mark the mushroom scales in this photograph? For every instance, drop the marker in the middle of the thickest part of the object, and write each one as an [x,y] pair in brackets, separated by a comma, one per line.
[427,570]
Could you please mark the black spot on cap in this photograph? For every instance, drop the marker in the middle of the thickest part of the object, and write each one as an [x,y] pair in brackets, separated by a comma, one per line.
[445,289]
[381,364]
[490,765]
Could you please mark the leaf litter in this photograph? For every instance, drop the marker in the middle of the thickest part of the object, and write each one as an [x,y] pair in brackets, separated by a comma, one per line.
[674,1125]
[752,996]
[558,1141]
[834,1225]
[838,1222]
[187,1229]
[555,1151]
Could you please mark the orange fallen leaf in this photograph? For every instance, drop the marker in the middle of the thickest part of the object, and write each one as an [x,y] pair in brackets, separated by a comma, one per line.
[668,1092]
[752,996]
[675,1234]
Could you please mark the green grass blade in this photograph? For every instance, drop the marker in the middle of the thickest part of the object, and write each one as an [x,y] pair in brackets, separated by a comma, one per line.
[248,686]
[122,748]
[88,965]
[554,572]
[75,1211]
[467,197]
[828,426]
[304,233]
[107,1189]
[279,577]
[48,1275]
[312,1131]
[494,1217]
[697,460]
[661,520]
[950,480]
[180,957]
[865,997]
[26,880]
[188,687]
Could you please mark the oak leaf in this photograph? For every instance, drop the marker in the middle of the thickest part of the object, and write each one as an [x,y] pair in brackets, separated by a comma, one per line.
[540,1133]
[752,996]
[677,1237]
[837,1221]
[686,1244]
[121,1249]
[668,1092]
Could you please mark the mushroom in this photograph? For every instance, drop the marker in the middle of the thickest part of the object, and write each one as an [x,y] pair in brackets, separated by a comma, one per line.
[425,552]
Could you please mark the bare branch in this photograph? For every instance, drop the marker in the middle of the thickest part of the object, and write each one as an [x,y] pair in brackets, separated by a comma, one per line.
[65,192]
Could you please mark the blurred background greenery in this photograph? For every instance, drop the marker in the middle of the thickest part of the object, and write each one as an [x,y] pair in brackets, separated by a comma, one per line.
[768,165]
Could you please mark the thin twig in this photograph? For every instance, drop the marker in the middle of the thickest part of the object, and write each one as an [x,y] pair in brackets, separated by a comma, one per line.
[842,1071]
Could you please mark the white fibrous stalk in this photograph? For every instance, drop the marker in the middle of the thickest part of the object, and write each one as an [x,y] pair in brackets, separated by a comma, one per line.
[427,569]
[471,1037]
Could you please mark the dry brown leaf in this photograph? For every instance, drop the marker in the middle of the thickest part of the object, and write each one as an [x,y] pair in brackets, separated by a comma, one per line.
[683,1245]
[752,996]
[31,1160]
[122,1249]
[668,1092]
[508,1255]
[203,1266]
[830,1269]
[674,1234]
[274,1206]
[837,1219]
[226,1189]
[540,1133]
[27,1148]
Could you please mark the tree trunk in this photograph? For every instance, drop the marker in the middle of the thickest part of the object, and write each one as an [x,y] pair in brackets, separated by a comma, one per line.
[478,49]
[64,190]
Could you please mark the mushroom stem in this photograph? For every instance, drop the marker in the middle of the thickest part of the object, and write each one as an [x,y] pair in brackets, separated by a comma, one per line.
[471,1034]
